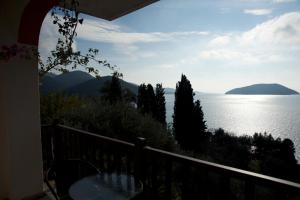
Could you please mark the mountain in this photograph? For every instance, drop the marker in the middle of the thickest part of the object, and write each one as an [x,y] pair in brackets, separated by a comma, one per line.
[93,87]
[263,89]
[51,82]
[78,82]
[70,79]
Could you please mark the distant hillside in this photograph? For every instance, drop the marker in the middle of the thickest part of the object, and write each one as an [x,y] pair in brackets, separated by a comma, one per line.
[94,86]
[78,82]
[51,82]
[70,79]
[263,89]
[48,84]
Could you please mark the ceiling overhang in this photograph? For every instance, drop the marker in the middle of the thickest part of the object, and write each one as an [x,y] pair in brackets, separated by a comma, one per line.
[35,11]
[111,9]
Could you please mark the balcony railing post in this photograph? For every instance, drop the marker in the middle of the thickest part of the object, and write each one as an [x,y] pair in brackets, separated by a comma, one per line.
[225,187]
[57,142]
[250,190]
[204,183]
[140,159]
[168,181]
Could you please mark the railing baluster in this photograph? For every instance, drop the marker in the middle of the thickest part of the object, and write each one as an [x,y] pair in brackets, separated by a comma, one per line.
[139,161]
[249,190]
[204,184]
[154,174]
[77,143]
[185,173]
[80,152]
[101,157]
[57,143]
[168,181]
[225,187]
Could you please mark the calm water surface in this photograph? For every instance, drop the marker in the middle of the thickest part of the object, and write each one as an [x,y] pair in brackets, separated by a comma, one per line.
[247,114]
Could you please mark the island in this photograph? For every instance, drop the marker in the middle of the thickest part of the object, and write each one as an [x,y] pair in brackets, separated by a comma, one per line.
[263,89]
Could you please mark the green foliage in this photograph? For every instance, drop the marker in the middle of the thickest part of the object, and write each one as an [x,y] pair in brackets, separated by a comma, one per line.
[189,125]
[276,156]
[229,149]
[118,120]
[121,121]
[55,106]
[260,153]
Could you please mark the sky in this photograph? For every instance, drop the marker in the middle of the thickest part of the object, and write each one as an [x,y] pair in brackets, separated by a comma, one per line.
[217,44]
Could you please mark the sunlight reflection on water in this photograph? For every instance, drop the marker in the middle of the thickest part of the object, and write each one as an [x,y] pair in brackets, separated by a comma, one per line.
[247,114]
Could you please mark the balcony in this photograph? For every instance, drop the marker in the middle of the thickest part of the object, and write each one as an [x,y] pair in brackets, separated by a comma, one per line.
[164,175]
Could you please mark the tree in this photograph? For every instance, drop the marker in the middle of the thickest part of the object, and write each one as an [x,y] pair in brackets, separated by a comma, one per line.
[146,99]
[287,150]
[183,113]
[142,98]
[199,125]
[188,119]
[113,91]
[150,103]
[160,104]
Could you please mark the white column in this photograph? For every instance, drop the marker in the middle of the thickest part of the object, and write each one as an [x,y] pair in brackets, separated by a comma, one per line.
[20,137]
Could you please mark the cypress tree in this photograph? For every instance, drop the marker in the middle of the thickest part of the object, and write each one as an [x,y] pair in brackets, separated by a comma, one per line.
[199,126]
[150,104]
[113,91]
[188,119]
[142,98]
[160,101]
[183,112]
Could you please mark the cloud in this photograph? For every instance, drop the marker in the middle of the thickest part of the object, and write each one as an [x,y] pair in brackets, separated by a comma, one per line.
[48,38]
[229,55]
[284,1]
[220,41]
[282,30]
[124,41]
[272,1]
[99,31]
[241,56]
[274,40]
[167,66]
[258,11]
[133,52]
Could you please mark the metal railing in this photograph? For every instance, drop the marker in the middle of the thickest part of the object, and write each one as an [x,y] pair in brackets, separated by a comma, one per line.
[165,175]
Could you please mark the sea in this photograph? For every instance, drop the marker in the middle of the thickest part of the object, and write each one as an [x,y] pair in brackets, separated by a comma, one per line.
[278,115]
